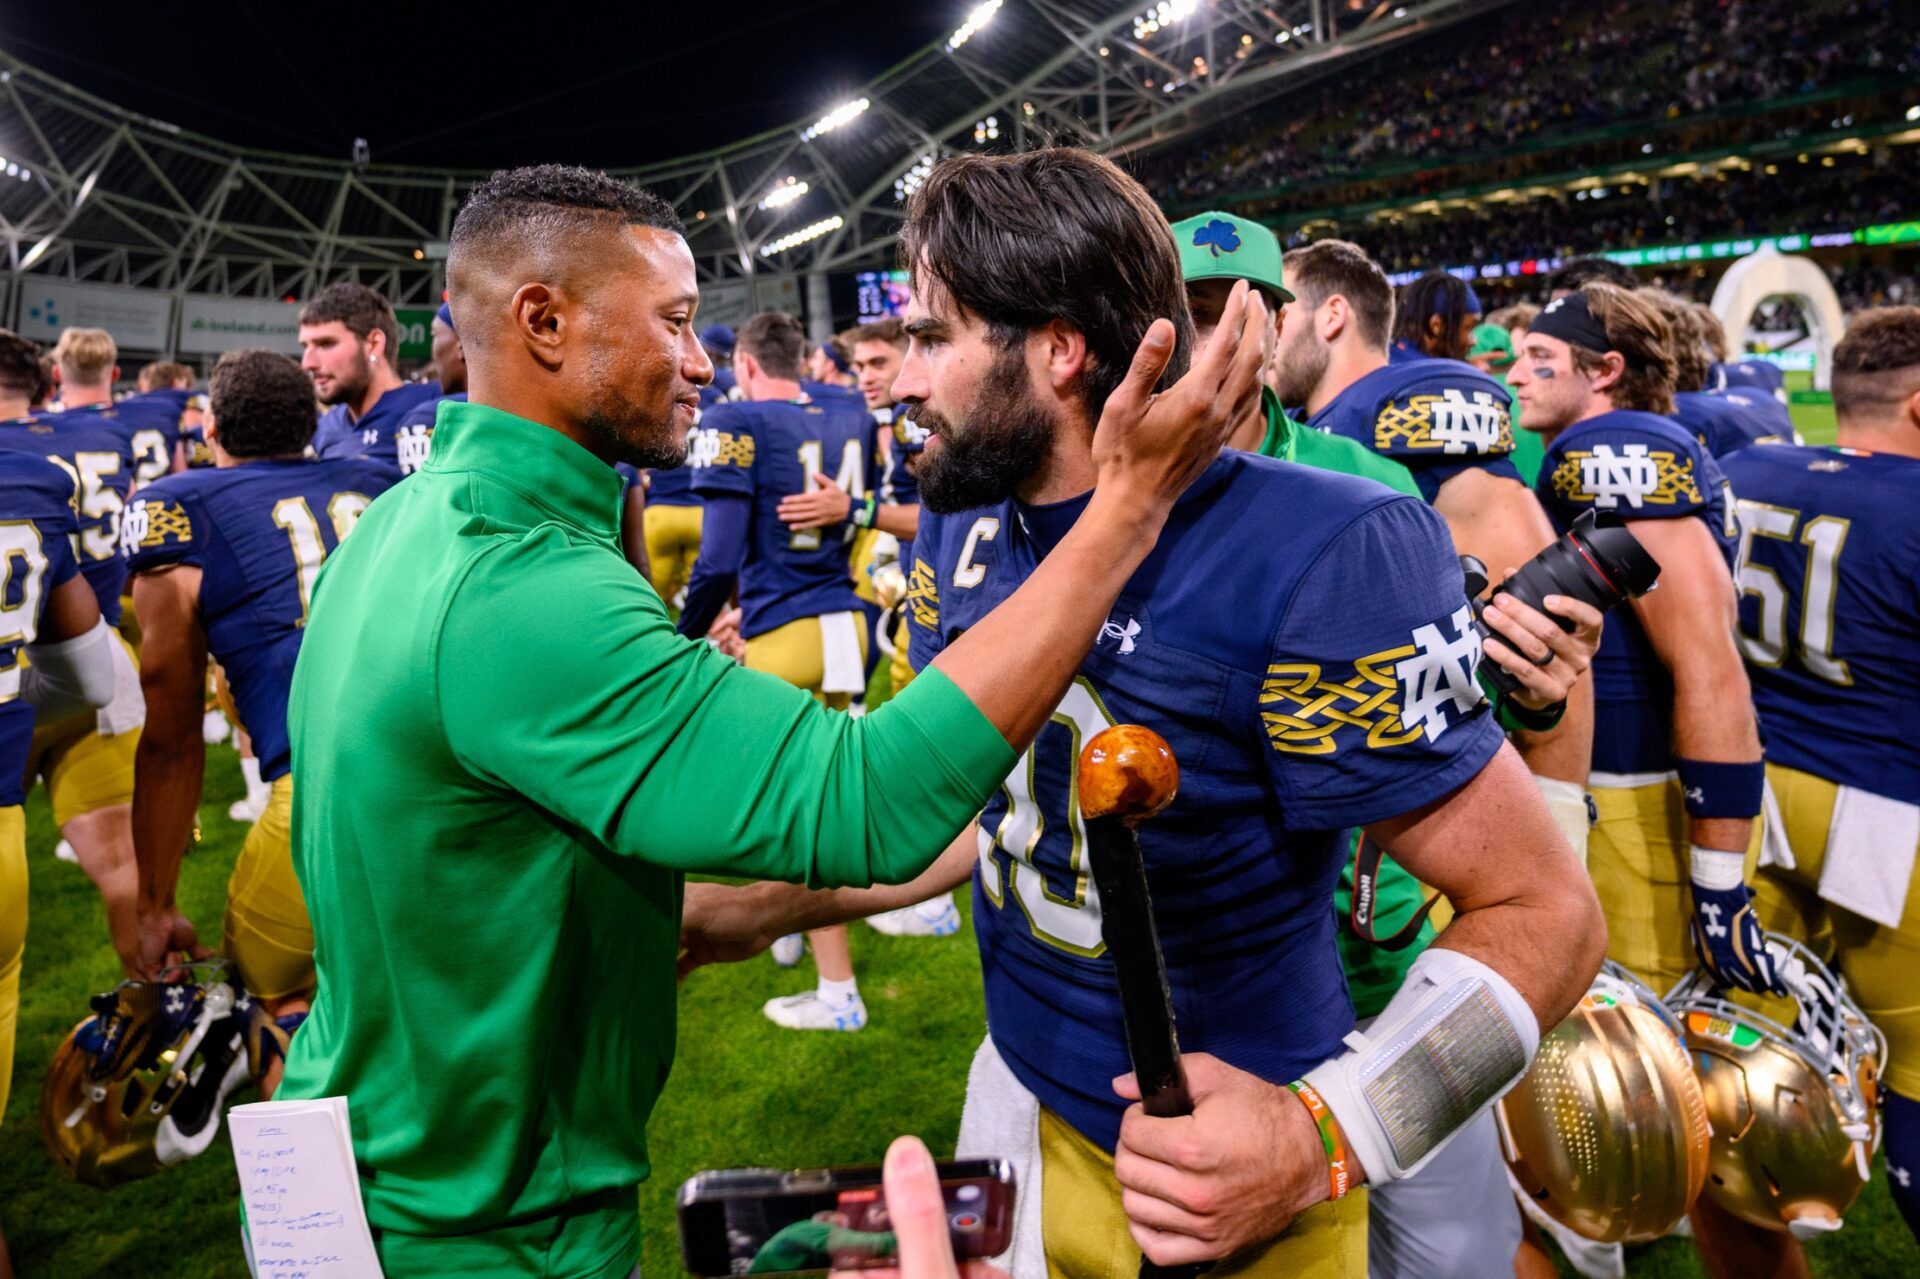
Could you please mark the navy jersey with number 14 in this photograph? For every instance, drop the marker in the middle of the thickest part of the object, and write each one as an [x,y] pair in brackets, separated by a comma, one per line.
[258,532]
[1324,683]
[1830,610]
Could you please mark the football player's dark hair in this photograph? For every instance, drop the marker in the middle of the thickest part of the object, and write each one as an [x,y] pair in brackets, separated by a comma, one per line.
[776,340]
[886,329]
[358,307]
[164,375]
[21,372]
[1318,271]
[546,202]
[1055,234]
[262,404]
[1575,272]
[1876,366]
[1636,329]
[1435,293]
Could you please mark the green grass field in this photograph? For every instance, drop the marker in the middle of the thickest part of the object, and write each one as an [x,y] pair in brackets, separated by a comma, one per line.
[741,1093]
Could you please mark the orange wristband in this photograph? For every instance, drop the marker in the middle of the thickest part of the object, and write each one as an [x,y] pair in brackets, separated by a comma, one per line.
[1332,1136]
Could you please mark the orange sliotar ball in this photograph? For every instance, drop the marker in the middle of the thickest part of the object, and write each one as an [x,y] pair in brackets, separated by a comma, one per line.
[1127,771]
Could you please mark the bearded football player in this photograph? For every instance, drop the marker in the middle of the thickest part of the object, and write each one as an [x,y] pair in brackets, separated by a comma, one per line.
[1297,707]
[350,347]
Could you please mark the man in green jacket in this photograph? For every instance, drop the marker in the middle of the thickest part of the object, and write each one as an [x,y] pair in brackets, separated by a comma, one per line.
[506,759]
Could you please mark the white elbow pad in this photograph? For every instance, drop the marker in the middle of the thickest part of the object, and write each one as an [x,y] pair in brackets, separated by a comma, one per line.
[72,675]
[1454,1038]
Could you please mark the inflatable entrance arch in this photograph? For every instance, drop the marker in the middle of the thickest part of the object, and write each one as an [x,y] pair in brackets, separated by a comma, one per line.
[1769,273]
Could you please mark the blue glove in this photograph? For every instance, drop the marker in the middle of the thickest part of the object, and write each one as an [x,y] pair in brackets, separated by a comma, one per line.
[1726,933]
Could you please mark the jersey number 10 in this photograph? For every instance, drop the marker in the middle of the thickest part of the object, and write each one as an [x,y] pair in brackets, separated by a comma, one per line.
[303,534]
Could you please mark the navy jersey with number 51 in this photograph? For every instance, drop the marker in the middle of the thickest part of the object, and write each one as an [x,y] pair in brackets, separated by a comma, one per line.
[1830,610]
[1324,682]
[258,532]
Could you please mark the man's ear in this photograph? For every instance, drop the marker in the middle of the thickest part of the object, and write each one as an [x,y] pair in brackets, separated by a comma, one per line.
[1332,317]
[537,318]
[1436,328]
[1613,367]
[1064,349]
[1913,410]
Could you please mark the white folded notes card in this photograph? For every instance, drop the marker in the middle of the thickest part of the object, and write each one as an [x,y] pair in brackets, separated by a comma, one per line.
[305,1218]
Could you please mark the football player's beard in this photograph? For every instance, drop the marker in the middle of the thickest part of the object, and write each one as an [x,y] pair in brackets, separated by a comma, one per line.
[1004,440]
[1298,367]
[349,388]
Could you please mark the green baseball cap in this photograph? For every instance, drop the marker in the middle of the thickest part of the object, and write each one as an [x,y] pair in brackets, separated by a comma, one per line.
[1492,339]
[1220,246]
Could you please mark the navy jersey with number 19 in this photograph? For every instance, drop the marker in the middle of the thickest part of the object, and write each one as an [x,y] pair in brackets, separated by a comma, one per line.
[258,532]
[1830,610]
[1325,683]
[37,529]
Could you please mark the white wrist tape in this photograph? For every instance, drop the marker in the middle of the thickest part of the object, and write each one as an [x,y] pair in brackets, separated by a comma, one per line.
[1716,869]
[1456,1037]
[1567,802]
[70,676]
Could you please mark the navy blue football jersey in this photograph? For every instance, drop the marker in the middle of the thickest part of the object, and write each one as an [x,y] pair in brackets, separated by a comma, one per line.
[412,435]
[156,419]
[763,451]
[258,532]
[96,450]
[1726,423]
[1757,375]
[1830,610]
[1324,683]
[1640,466]
[1435,417]
[376,433]
[37,532]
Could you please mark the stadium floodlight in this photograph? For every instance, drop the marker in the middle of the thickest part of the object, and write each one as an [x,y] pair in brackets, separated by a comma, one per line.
[987,130]
[909,182]
[784,193]
[980,17]
[794,239]
[833,119]
[1162,16]
[1913,113]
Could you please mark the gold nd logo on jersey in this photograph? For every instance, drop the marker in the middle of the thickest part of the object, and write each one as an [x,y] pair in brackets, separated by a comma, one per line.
[1635,474]
[719,448]
[923,595]
[1450,422]
[153,523]
[1395,696]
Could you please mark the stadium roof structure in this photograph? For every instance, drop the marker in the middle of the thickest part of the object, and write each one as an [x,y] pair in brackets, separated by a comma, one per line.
[101,193]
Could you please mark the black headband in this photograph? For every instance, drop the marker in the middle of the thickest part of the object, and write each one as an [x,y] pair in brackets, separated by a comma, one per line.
[1568,319]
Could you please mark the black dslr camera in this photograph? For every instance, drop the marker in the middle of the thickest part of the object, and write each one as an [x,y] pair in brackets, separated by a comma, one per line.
[1599,561]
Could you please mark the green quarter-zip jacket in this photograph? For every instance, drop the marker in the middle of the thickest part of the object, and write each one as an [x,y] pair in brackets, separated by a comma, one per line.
[505,760]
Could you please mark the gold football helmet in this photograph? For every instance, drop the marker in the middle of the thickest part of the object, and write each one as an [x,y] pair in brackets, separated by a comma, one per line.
[139,1085]
[889,584]
[1607,1131]
[1795,1110]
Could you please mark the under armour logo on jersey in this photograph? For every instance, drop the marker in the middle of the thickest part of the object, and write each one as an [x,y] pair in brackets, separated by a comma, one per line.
[1696,795]
[411,445]
[1608,476]
[1114,630]
[370,436]
[176,1002]
[1437,684]
[1711,913]
[1468,425]
[1900,1175]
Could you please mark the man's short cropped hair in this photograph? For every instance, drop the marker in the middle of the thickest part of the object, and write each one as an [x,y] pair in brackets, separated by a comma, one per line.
[21,374]
[1876,366]
[262,404]
[359,308]
[547,201]
[85,356]
[1318,271]
[887,329]
[775,340]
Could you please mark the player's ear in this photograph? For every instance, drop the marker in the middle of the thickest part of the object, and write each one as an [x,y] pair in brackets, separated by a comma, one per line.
[536,318]
[1065,350]
[1913,410]
[1613,367]
[1332,317]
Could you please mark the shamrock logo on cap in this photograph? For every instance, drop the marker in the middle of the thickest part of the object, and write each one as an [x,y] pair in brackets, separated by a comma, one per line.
[1218,236]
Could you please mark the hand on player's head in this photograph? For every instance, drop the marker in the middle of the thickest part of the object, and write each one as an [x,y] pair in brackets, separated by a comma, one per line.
[1157,443]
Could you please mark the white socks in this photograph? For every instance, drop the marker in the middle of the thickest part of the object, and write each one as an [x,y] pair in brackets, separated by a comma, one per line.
[838,993]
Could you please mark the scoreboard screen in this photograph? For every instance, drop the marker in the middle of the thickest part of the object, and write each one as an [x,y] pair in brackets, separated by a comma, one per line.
[879,294]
